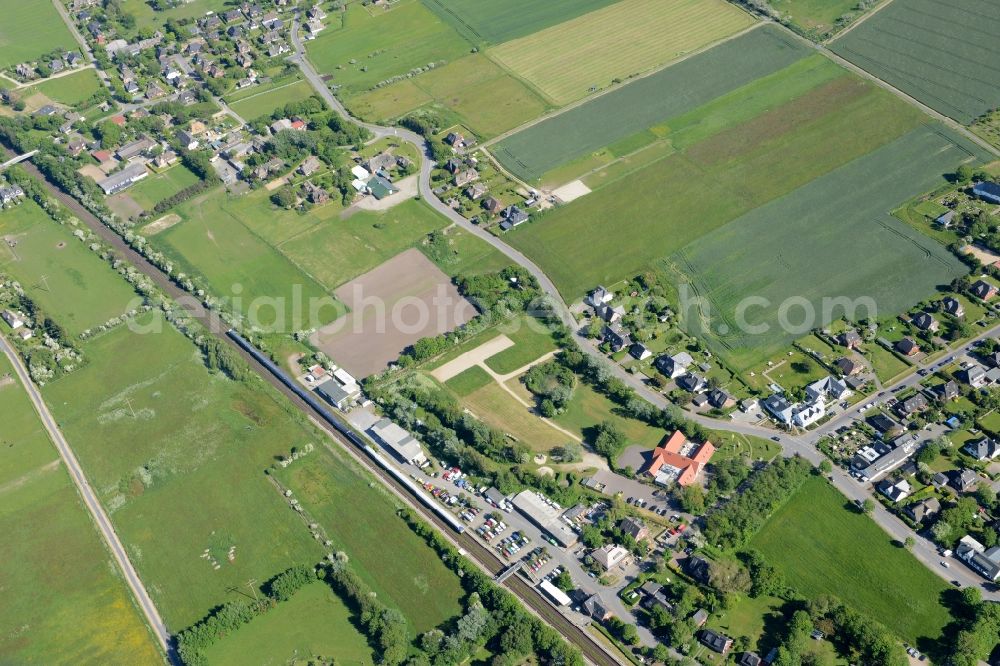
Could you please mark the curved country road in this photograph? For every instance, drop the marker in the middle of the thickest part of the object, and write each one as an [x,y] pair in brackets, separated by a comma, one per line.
[92,503]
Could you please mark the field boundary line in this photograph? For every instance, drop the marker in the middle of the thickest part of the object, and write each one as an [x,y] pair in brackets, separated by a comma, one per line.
[854,25]
[951,123]
[94,507]
[617,86]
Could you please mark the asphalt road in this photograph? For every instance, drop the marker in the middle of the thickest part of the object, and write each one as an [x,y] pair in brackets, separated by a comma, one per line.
[93,505]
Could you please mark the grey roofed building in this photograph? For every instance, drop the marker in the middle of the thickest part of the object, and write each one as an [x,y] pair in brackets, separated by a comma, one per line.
[399,442]
[128,176]
[882,423]
[948,390]
[699,617]
[576,513]
[940,479]
[698,568]
[974,375]
[847,367]
[720,399]
[716,641]
[134,148]
[907,347]
[616,336]
[748,659]
[650,587]
[512,217]
[952,306]
[945,219]
[987,191]
[337,395]
[495,497]
[849,339]
[692,382]
[889,461]
[545,516]
[923,509]
[592,483]
[983,561]
[595,608]
[674,366]
[639,351]
[965,481]
[913,404]
[986,448]
[634,527]
[984,290]
[925,322]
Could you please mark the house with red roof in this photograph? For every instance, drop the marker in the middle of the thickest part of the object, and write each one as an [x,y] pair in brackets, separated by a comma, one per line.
[676,460]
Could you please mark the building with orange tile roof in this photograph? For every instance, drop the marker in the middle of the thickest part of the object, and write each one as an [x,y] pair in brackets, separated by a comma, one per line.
[676,460]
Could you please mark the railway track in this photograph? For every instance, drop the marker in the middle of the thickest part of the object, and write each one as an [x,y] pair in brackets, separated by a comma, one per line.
[595,652]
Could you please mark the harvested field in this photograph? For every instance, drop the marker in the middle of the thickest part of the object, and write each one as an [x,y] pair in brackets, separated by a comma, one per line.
[161,224]
[502,20]
[945,54]
[645,102]
[616,230]
[570,60]
[403,300]
[831,238]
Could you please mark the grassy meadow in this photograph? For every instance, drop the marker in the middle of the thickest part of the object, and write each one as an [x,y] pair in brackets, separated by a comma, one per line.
[30,29]
[815,17]
[71,89]
[67,281]
[156,187]
[944,54]
[570,60]
[823,547]
[64,601]
[258,105]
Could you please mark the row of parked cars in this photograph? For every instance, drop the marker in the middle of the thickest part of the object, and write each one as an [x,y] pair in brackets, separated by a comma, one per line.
[511,545]
[491,529]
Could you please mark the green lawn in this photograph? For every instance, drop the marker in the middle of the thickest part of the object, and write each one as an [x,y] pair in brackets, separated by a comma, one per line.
[588,408]
[885,364]
[313,623]
[156,187]
[823,547]
[65,279]
[398,565]
[71,89]
[790,370]
[63,599]
[468,381]
[216,244]
[464,254]
[262,104]
[177,457]
[496,407]
[28,30]
[375,44]
[532,339]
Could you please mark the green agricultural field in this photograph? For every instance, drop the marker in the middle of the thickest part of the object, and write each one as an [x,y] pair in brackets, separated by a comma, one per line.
[617,230]
[383,44]
[480,94]
[823,547]
[156,187]
[815,17]
[28,30]
[398,565]
[67,280]
[532,339]
[263,104]
[72,89]
[340,250]
[570,60]
[643,103]
[832,238]
[313,623]
[942,53]
[237,262]
[498,21]
[146,16]
[63,599]
[177,456]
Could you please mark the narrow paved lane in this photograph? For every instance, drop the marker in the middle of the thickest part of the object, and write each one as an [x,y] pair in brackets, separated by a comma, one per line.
[93,505]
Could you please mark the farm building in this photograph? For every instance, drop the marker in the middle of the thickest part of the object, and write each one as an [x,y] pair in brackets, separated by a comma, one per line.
[987,191]
[676,460]
[398,441]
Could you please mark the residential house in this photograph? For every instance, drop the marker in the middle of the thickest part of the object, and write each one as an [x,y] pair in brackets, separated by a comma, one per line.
[76,146]
[925,322]
[609,556]
[134,148]
[513,217]
[965,481]
[720,399]
[698,568]
[594,607]
[748,659]
[639,351]
[674,366]
[492,205]
[452,165]
[828,386]
[476,191]
[14,320]
[983,449]
[920,511]
[882,423]
[947,391]
[983,290]
[316,194]
[381,187]
[985,562]
[912,405]
[848,367]
[634,527]
[692,383]
[895,491]
[952,306]
[463,178]
[907,347]
[165,159]
[715,641]
[849,339]
[617,337]
[610,314]
[945,219]
[309,166]
[699,617]
[187,140]
[676,460]
[974,375]
[987,191]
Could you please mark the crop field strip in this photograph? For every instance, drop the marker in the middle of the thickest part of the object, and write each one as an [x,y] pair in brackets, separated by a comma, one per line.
[684,196]
[29,29]
[830,238]
[565,62]
[496,21]
[944,54]
[646,102]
